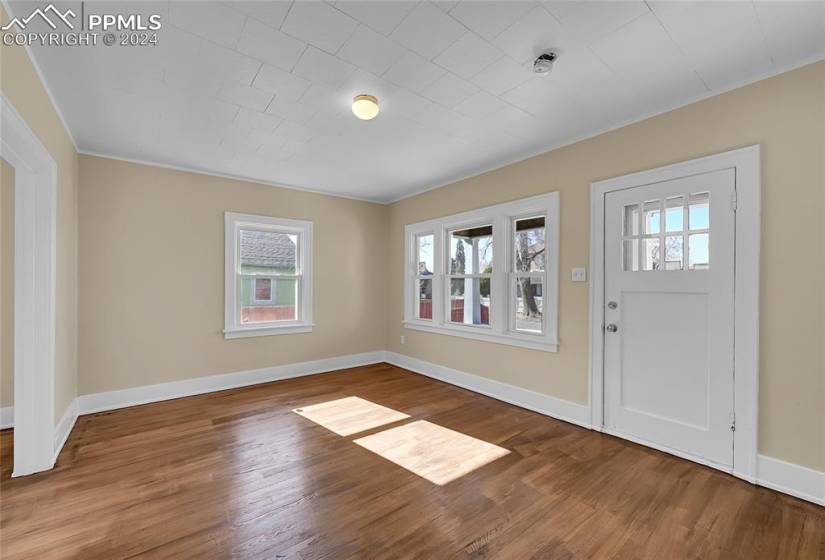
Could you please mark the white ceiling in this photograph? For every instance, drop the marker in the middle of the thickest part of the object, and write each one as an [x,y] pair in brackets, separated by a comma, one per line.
[262,90]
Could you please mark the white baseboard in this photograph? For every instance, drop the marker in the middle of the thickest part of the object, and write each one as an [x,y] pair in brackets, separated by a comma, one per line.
[6,417]
[560,409]
[110,400]
[64,428]
[789,478]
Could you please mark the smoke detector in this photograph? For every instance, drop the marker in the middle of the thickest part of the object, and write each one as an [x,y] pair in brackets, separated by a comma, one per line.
[544,63]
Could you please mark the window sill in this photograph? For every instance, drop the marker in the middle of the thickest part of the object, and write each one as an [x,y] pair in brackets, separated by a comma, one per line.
[485,335]
[268,330]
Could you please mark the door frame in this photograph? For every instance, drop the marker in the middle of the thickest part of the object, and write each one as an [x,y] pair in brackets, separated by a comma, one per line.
[35,264]
[746,165]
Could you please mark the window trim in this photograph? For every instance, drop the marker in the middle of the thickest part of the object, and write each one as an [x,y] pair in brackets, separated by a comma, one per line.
[501,329]
[233,223]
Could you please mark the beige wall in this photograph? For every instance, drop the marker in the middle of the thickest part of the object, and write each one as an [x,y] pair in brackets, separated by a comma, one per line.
[20,83]
[152,275]
[6,284]
[786,115]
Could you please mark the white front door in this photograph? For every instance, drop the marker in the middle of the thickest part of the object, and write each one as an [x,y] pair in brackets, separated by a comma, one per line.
[669,316]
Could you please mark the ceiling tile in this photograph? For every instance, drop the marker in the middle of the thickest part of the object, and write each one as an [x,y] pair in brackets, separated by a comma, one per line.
[413,72]
[270,13]
[370,50]
[489,18]
[449,90]
[212,21]
[468,56]
[270,45]
[480,104]
[249,120]
[380,16]
[445,5]
[503,75]
[181,50]
[428,31]
[795,31]
[290,110]
[317,66]
[319,24]
[244,96]
[642,50]
[534,33]
[283,84]
[586,22]
[702,30]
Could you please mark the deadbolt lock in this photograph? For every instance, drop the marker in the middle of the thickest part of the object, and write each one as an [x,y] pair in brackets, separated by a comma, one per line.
[612,305]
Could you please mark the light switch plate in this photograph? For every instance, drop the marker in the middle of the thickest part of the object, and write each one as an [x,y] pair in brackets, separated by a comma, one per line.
[578,275]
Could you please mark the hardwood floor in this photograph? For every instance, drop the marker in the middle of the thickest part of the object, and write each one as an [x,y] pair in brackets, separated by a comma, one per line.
[239,474]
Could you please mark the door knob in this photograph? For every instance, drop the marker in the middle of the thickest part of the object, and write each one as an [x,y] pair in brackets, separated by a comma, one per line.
[611,328]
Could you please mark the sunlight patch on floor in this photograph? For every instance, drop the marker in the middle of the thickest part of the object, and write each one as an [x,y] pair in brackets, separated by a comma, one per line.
[433,452]
[350,415]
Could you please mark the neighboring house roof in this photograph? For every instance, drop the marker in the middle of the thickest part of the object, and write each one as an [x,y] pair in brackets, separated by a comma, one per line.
[265,248]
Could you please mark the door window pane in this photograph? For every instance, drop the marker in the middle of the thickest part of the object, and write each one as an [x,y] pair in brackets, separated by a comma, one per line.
[283,304]
[651,217]
[424,259]
[631,219]
[471,250]
[631,255]
[470,301]
[699,211]
[424,299]
[675,214]
[529,304]
[674,258]
[650,254]
[529,248]
[699,251]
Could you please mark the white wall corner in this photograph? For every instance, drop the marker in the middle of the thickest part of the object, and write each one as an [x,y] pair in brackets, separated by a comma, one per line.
[789,478]
[6,417]
[560,409]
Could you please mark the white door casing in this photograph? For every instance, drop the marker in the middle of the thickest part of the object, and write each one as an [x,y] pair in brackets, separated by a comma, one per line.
[668,351]
[35,218]
[744,164]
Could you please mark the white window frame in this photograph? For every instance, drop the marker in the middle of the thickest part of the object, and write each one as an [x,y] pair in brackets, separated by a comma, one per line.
[233,223]
[501,329]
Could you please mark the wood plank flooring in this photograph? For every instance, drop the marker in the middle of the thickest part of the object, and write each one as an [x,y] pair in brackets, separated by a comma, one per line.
[237,474]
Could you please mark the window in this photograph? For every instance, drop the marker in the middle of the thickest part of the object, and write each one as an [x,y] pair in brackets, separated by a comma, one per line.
[651,243]
[424,276]
[471,267]
[268,276]
[489,274]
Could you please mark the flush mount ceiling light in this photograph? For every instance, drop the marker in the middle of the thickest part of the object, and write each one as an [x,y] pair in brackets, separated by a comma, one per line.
[544,63]
[365,107]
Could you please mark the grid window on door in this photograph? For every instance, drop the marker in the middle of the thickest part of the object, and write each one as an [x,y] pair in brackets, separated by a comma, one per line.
[471,268]
[529,254]
[668,234]
[425,261]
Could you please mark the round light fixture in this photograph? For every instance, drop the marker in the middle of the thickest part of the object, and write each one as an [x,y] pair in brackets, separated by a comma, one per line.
[365,107]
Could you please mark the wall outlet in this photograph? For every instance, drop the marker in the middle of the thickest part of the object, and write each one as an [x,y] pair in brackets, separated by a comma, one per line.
[403,339]
[578,275]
